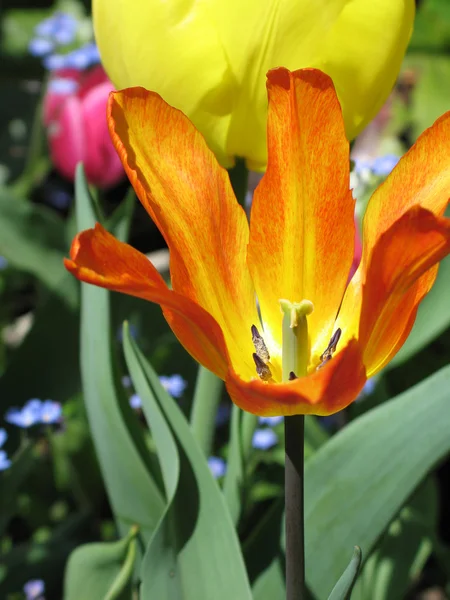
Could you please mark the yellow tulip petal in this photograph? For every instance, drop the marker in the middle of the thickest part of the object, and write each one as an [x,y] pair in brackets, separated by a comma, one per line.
[189,197]
[172,48]
[209,58]
[360,44]
[302,222]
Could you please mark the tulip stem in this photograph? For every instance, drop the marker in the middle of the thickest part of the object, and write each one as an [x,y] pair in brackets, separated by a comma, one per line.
[295,355]
[208,391]
[294,432]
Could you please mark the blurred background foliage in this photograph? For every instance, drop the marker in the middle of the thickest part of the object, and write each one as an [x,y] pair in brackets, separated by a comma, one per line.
[53,497]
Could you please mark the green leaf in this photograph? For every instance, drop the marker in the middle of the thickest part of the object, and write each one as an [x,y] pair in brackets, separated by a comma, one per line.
[121,450]
[357,482]
[431,26]
[32,239]
[429,96]
[50,374]
[270,584]
[11,480]
[234,477]
[343,588]
[403,550]
[194,553]
[101,571]
[262,548]
[120,220]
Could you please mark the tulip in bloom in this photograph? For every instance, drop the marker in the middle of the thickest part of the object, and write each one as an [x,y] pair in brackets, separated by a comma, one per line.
[298,248]
[74,114]
[210,58]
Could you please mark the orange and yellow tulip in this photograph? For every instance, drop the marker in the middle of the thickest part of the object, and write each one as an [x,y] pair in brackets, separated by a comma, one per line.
[298,247]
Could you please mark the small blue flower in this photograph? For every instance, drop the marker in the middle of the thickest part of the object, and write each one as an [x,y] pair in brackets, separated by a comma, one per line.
[223,414]
[271,421]
[65,35]
[3,437]
[135,401]
[5,463]
[133,331]
[60,28]
[83,57]
[78,59]
[174,384]
[59,199]
[53,62]
[217,466]
[3,263]
[46,28]
[34,589]
[92,51]
[126,381]
[383,165]
[63,86]
[27,416]
[51,412]
[263,439]
[40,47]
[362,167]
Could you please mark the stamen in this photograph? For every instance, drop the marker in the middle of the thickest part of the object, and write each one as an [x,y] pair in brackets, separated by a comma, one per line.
[292,376]
[327,354]
[262,369]
[260,346]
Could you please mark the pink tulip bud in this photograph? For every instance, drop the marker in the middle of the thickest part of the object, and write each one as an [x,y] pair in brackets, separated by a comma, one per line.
[75,118]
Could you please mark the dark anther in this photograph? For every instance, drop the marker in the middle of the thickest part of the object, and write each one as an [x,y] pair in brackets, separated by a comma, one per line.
[330,349]
[260,346]
[261,368]
[327,358]
[292,376]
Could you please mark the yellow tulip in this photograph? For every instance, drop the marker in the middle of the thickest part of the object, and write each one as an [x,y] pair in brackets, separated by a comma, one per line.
[209,58]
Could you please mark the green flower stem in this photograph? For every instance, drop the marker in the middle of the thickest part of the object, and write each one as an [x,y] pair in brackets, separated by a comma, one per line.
[37,163]
[295,354]
[294,435]
[248,426]
[208,391]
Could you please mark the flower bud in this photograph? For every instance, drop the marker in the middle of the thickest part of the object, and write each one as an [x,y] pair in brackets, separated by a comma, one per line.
[75,118]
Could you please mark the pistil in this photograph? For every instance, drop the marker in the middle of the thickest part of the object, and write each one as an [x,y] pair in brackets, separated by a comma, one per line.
[295,349]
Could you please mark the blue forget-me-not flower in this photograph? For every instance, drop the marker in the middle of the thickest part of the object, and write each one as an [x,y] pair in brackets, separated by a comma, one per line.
[263,439]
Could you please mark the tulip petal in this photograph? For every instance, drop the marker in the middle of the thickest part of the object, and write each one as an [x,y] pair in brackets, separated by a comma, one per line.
[402,269]
[160,45]
[324,392]
[302,221]
[360,44]
[189,197]
[99,258]
[422,177]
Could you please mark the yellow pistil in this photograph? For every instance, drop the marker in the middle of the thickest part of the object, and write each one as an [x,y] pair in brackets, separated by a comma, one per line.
[295,349]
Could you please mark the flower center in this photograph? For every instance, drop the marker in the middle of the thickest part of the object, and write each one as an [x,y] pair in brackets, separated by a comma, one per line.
[295,342]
